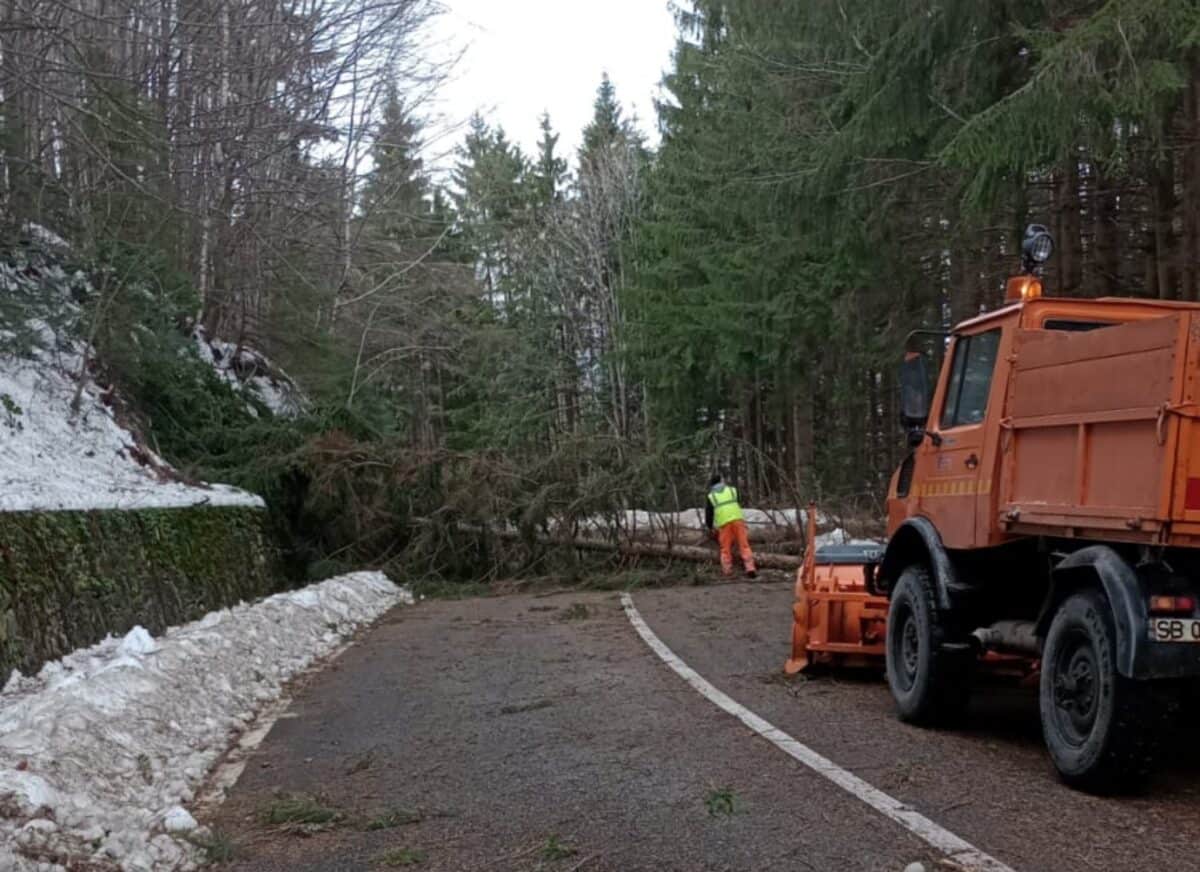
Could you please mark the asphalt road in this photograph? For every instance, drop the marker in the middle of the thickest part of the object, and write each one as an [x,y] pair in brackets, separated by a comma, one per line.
[526,733]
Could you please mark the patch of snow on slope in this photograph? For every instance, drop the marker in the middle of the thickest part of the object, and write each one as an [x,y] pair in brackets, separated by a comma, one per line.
[102,749]
[245,370]
[52,457]
[46,237]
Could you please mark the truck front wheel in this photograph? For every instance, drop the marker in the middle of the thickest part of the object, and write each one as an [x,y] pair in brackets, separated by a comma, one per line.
[930,681]
[1099,726]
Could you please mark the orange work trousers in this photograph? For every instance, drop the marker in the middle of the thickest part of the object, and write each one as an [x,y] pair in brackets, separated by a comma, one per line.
[735,531]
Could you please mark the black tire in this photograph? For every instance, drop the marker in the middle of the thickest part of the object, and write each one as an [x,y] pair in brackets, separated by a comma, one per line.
[930,682]
[1101,728]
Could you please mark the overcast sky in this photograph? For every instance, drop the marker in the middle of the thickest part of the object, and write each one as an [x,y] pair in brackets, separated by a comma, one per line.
[523,57]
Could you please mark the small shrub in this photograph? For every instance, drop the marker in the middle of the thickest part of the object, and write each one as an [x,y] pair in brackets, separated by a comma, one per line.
[12,412]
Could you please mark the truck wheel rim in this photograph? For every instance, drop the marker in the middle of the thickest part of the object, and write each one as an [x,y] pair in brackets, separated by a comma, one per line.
[1076,696]
[908,650]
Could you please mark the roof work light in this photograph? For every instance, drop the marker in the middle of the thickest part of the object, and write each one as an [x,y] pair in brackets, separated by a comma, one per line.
[1037,247]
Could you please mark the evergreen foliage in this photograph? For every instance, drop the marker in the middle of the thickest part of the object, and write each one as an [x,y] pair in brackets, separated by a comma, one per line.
[548,337]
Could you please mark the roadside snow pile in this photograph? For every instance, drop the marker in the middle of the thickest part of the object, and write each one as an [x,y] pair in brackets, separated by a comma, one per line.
[100,752]
[247,371]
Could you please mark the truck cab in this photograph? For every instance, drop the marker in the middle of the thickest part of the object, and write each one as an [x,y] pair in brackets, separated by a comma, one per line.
[1050,509]
[956,476]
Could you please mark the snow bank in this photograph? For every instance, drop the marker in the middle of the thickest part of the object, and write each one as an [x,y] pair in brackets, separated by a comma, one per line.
[101,750]
[247,371]
[54,458]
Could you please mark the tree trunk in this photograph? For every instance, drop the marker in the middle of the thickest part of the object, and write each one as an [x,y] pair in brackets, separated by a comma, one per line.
[696,553]
[1070,253]
[1162,181]
[1189,253]
[1106,232]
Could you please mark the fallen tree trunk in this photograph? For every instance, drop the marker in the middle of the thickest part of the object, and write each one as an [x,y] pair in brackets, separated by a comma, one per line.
[765,559]
[695,553]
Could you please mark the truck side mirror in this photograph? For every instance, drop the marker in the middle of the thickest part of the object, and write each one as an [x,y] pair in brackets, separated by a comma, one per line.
[914,390]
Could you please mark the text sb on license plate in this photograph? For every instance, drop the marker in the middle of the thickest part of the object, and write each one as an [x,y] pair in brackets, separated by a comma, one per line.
[1175,630]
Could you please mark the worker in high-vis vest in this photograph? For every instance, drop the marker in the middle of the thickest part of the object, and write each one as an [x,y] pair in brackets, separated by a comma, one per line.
[724,513]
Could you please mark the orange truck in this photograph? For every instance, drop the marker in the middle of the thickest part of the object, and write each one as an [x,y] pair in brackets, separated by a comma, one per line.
[1049,511]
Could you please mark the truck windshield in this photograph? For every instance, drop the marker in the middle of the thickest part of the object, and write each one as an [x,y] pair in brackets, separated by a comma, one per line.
[970,379]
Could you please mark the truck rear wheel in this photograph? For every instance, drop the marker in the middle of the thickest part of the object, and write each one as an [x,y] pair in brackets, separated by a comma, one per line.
[930,683]
[1099,726]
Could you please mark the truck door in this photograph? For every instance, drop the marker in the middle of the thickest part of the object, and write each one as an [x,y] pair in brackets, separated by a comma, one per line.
[952,472]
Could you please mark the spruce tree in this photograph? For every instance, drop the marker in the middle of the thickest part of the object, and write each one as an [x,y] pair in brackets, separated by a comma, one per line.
[548,175]
[394,199]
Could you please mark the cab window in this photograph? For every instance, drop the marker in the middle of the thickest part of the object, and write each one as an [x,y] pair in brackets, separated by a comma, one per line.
[970,379]
[1069,326]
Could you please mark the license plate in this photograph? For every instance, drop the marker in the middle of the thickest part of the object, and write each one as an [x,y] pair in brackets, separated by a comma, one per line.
[1175,630]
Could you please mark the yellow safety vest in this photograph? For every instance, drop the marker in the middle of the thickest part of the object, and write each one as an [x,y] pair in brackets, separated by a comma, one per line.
[725,506]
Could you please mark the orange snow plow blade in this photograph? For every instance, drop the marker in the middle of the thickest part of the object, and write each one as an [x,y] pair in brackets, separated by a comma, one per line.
[836,619]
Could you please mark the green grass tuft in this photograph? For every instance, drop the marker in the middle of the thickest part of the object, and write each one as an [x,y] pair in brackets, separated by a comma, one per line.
[721,802]
[555,849]
[217,846]
[297,809]
[395,817]
[401,857]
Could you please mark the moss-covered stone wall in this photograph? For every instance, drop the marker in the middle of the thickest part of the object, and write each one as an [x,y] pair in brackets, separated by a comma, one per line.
[68,579]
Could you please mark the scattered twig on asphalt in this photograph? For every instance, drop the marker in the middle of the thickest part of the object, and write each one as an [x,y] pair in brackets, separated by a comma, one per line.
[525,853]
[955,805]
[431,769]
[589,858]
[947,863]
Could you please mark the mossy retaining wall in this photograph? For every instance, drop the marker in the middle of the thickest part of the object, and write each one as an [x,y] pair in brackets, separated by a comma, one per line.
[68,579]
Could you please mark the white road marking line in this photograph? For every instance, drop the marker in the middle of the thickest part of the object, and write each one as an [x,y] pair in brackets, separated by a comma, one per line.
[961,852]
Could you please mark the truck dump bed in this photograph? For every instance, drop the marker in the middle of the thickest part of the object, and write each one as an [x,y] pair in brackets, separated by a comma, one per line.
[1099,437]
